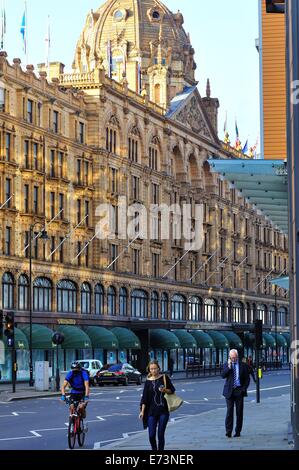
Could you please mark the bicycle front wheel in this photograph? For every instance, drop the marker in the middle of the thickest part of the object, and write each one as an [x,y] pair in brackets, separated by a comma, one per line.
[81,433]
[71,434]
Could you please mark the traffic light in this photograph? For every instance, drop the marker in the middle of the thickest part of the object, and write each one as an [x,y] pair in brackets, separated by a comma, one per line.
[10,329]
[258,334]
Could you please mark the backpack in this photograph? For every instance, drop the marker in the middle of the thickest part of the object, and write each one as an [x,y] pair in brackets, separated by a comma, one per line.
[70,381]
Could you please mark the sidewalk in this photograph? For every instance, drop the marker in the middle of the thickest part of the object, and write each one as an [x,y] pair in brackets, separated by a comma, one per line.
[23,392]
[265,428]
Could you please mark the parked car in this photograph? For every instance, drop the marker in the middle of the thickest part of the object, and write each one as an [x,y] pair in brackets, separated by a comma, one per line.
[119,374]
[93,366]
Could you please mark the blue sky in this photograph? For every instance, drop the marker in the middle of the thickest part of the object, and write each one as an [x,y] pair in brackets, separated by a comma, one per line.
[223,35]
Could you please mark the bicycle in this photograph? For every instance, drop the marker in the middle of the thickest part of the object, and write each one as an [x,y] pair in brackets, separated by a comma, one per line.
[76,424]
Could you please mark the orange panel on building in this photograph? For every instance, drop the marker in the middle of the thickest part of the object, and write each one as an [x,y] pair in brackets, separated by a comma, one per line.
[274,84]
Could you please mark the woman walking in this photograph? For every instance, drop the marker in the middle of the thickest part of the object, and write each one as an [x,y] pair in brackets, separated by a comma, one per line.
[154,410]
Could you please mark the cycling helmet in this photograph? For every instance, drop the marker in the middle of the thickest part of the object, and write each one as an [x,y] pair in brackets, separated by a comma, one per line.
[76,365]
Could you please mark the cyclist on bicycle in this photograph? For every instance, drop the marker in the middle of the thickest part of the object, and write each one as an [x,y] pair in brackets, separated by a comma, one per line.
[78,379]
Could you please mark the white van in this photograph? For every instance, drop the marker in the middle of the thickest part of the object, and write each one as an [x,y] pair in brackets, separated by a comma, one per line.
[93,366]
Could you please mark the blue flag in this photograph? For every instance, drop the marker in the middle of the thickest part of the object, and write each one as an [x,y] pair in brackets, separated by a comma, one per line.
[23,31]
[245,148]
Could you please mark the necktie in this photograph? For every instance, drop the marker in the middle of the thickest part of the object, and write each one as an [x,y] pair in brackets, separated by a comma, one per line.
[235,375]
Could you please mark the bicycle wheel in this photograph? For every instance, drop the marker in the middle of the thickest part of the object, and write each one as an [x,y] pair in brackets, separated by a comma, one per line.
[81,433]
[71,433]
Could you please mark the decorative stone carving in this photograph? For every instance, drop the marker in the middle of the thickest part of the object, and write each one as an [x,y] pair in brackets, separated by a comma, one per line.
[191,116]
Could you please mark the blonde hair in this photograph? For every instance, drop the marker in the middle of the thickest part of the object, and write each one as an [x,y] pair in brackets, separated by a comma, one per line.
[154,362]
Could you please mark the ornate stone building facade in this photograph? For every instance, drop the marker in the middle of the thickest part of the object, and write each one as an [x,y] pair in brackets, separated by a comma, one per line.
[80,140]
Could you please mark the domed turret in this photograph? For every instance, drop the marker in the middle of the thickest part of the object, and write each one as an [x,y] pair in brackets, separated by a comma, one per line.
[144,40]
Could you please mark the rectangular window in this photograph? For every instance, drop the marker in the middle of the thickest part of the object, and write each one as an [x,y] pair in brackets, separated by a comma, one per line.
[81,132]
[87,256]
[79,249]
[79,171]
[2,99]
[8,241]
[87,215]
[60,164]
[8,192]
[35,156]
[39,109]
[86,173]
[135,188]
[156,264]
[136,262]
[113,180]
[61,250]
[26,198]
[52,163]
[155,194]
[35,199]
[79,214]
[114,220]
[247,281]
[8,147]
[30,111]
[26,244]
[61,206]
[52,205]
[113,256]
[55,121]
[26,153]
[35,245]
[53,248]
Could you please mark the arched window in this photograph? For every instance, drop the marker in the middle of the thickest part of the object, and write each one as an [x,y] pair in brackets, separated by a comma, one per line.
[111,301]
[133,145]
[164,306]
[195,309]
[123,302]
[178,307]
[99,299]
[67,296]
[282,317]
[42,295]
[248,313]
[154,153]
[222,318]
[139,304]
[111,135]
[271,315]
[23,286]
[210,310]
[8,284]
[261,313]
[237,312]
[229,311]
[155,305]
[85,298]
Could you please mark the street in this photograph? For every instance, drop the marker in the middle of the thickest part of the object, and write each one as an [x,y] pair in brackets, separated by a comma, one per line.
[112,413]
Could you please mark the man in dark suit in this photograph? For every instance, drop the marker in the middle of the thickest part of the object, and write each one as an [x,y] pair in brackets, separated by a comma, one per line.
[237,382]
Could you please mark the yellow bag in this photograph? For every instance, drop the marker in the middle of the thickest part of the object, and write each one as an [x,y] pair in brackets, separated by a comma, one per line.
[173,401]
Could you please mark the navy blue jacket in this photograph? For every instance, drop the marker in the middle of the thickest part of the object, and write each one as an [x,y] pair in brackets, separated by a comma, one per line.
[228,374]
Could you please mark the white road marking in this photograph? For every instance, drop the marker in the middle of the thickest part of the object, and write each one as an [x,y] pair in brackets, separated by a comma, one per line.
[18,438]
[100,418]
[187,402]
[270,388]
[206,399]
[14,413]
[35,434]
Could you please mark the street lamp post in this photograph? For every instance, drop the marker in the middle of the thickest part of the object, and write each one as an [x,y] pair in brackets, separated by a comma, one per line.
[276,324]
[44,236]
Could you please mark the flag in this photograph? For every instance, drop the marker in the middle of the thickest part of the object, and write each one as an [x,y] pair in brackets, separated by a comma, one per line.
[245,148]
[225,124]
[48,43]
[238,145]
[237,130]
[23,30]
[3,26]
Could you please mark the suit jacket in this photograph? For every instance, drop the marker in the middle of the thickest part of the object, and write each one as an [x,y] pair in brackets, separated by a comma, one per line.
[228,374]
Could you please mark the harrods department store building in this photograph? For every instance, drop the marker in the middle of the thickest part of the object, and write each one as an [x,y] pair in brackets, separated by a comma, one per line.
[128,122]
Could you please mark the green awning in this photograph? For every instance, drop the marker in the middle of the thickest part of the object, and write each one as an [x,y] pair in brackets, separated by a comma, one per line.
[126,338]
[101,338]
[187,341]
[74,338]
[164,339]
[41,336]
[220,341]
[249,339]
[269,340]
[20,340]
[287,337]
[203,339]
[234,340]
[280,339]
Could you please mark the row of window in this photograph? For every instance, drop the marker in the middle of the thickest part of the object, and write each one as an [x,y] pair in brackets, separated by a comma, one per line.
[142,306]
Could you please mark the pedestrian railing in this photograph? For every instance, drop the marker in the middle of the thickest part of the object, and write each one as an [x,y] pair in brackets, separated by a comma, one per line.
[198,370]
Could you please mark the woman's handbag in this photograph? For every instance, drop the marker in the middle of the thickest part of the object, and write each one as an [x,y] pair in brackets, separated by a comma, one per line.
[173,401]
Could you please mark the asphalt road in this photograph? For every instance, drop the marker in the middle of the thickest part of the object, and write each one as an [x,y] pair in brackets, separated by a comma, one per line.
[41,424]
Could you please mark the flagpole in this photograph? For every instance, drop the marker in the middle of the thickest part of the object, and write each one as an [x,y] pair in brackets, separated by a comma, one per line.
[48,47]
[3,26]
[26,33]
